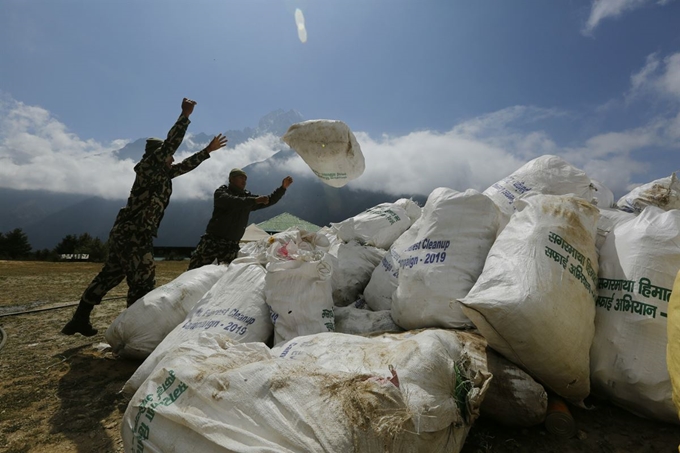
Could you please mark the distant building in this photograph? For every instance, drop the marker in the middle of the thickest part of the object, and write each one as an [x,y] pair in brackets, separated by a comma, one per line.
[75,256]
[172,253]
[284,221]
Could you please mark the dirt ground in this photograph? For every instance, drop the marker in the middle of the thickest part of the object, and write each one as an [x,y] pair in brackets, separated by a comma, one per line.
[60,394]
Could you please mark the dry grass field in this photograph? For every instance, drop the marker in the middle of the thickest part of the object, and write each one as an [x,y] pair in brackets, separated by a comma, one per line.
[60,394]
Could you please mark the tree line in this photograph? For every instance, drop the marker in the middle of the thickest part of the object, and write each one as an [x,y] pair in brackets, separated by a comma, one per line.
[14,245]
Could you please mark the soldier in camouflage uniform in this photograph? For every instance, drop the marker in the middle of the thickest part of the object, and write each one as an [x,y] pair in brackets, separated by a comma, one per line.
[131,238]
[231,210]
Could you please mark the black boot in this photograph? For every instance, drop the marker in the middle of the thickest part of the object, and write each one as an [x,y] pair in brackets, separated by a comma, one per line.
[80,322]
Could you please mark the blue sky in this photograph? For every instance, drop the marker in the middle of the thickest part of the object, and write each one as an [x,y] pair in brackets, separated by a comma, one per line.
[439,93]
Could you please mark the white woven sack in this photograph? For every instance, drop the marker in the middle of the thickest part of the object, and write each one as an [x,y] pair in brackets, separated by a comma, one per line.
[412,208]
[603,196]
[234,307]
[137,331]
[383,282]
[514,398]
[455,232]
[638,265]
[379,226]
[298,290]
[330,234]
[663,193]
[384,279]
[210,396]
[256,250]
[548,174]
[302,239]
[353,265]
[329,148]
[534,302]
[609,218]
[360,321]
[428,379]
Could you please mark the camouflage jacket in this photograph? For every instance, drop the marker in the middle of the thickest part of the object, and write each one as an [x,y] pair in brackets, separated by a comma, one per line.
[150,193]
[232,209]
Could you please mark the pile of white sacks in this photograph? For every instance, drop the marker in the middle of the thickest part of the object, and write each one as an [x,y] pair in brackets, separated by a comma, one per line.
[393,330]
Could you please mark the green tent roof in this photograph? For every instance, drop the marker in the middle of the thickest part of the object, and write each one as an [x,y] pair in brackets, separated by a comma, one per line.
[284,221]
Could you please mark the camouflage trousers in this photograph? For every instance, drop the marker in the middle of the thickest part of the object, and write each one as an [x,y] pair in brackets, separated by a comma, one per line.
[211,248]
[130,257]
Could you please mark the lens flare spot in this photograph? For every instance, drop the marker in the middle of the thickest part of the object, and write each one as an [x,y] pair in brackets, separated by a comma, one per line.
[300,22]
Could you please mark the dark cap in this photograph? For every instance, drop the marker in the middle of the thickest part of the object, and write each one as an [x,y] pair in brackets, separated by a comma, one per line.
[237,172]
[152,144]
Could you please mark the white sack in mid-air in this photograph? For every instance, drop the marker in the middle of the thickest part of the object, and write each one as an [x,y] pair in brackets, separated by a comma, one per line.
[329,148]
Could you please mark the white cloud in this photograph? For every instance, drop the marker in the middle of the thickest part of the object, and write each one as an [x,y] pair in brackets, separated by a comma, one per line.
[670,79]
[214,172]
[657,78]
[611,144]
[673,129]
[483,150]
[640,80]
[38,152]
[422,161]
[603,9]
[192,144]
[501,120]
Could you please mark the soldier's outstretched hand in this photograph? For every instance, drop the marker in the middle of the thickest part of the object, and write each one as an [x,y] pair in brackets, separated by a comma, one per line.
[287,181]
[219,141]
[187,107]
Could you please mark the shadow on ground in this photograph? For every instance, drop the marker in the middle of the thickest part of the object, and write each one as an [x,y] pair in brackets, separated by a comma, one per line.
[90,403]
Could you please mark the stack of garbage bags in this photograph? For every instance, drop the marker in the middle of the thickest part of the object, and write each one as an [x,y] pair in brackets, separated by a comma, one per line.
[395,329]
